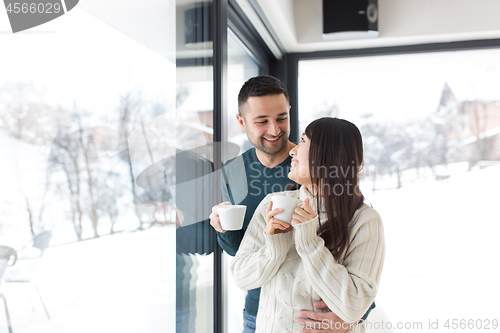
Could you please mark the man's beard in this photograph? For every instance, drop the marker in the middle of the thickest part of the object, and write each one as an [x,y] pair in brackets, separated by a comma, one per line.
[261,145]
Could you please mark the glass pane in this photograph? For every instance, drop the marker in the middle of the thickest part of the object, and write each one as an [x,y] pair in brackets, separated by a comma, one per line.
[241,67]
[74,95]
[431,131]
[194,168]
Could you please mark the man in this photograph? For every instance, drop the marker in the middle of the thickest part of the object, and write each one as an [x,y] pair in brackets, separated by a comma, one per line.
[264,115]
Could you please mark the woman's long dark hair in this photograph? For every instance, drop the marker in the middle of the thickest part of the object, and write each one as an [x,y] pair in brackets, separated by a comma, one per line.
[335,158]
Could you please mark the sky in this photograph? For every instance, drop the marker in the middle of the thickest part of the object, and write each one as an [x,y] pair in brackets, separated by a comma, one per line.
[79,58]
[397,87]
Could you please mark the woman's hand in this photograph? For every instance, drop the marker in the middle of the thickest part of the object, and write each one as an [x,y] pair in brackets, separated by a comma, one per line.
[274,225]
[303,213]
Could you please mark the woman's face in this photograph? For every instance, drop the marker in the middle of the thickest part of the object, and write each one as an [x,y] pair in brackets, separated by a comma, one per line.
[299,172]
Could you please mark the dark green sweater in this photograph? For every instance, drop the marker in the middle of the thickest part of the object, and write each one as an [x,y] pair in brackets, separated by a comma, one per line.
[245,181]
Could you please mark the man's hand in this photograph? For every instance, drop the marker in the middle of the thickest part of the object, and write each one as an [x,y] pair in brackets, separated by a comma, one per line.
[322,322]
[214,217]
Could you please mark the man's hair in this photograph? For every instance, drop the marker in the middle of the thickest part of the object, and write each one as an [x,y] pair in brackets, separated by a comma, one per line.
[259,86]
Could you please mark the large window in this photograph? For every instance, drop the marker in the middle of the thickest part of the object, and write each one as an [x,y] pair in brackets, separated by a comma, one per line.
[431,130]
[72,93]
[241,67]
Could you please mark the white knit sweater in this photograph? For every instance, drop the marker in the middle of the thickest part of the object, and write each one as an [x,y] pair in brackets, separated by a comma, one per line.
[295,269]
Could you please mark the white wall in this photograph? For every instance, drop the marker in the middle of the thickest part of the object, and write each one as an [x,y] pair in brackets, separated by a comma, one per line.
[401,22]
[148,23]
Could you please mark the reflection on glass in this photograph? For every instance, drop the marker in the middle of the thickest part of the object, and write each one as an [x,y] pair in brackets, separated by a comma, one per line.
[241,67]
[431,131]
[69,102]
[193,186]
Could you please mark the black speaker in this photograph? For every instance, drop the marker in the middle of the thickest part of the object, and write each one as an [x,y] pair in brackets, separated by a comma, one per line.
[350,19]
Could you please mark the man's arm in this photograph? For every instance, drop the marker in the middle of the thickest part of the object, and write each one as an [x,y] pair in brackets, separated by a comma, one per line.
[229,241]
[318,319]
[363,319]
[324,322]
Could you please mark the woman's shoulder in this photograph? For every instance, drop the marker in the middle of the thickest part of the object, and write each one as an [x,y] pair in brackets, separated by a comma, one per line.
[366,222]
[365,214]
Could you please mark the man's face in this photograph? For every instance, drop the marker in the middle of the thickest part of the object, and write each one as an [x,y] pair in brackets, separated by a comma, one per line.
[266,120]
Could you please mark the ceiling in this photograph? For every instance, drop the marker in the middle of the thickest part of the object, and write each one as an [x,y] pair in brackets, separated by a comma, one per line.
[298,23]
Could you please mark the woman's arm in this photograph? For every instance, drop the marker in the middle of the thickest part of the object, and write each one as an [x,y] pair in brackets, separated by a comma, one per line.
[348,288]
[259,256]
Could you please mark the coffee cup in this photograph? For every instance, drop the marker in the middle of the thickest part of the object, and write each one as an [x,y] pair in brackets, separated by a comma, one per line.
[288,204]
[231,216]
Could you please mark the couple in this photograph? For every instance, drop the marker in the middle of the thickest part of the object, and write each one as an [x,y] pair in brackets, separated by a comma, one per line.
[330,258]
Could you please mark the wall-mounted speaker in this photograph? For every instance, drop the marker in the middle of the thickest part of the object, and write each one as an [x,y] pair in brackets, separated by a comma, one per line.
[350,19]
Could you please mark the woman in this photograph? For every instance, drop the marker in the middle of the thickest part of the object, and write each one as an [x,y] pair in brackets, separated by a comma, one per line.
[334,248]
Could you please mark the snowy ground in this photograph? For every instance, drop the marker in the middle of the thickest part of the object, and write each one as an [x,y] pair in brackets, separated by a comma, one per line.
[123,283]
[441,239]
[442,244]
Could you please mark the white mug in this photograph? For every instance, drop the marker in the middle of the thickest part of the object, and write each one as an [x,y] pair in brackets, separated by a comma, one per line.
[288,204]
[231,216]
